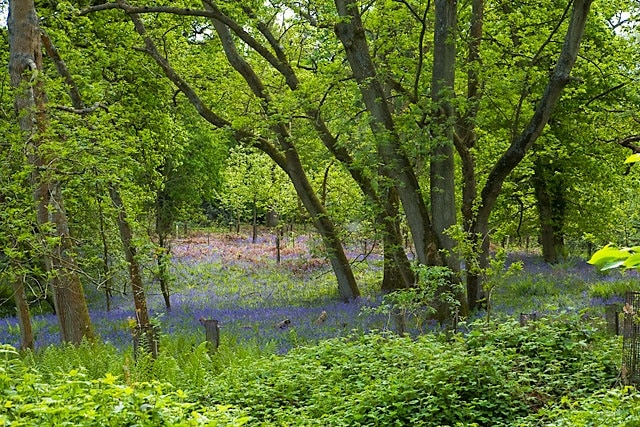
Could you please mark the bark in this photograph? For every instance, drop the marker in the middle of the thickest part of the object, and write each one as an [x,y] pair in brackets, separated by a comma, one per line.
[164,223]
[397,267]
[551,205]
[337,257]
[465,141]
[397,271]
[68,293]
[162,260]
[23,313]
[25,65]
[351,33]
[108,283]
[543,202]
[442,180]
[254,225]
[126,235]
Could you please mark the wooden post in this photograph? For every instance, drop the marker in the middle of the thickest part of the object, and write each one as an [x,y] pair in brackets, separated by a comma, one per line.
[212,333]
[525,318]
[612,314]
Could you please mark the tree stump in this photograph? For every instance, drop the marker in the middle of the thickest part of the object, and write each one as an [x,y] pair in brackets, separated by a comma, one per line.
[525,318]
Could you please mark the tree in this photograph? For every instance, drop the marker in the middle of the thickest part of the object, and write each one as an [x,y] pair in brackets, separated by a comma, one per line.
[284,153]
[441,171]
[523,140]
[25,68]
[389,125]
[396,165]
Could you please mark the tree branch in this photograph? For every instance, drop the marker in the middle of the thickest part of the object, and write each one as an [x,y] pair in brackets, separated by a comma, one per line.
[192,96]
[606,92]
[628,142]
[212,12]
[82,111]
[52,52]
[558,80]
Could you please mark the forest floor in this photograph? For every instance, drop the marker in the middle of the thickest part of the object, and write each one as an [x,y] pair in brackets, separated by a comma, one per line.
[238,281]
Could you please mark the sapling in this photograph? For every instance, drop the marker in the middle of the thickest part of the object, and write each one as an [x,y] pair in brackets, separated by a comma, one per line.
[434,287]
[494,274]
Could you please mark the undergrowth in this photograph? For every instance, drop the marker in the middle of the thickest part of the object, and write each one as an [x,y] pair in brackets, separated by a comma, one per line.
[492,376]
[498,374]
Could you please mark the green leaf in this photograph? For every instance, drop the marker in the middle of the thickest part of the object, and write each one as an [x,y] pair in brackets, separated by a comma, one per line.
[634,158]
[609,257]
[633,261]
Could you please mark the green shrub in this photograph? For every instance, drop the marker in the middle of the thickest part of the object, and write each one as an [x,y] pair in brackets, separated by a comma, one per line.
[75,400]
[493,376]
[96,359]
[556,357]
[611,408]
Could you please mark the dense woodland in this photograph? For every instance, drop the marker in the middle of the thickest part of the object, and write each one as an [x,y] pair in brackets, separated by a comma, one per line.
[431,132]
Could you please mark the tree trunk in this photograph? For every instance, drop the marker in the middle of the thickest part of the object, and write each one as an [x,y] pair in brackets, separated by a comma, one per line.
[162,261]
[273,218]
[292,165]
[397,272]
[164,224]
[397,166]
[126,235]
[551,210]
[254,228]
[278,245]
[442,180]
[346,280]
[465,142]
[521,144]
[25,63]
[108,282]
[397,267]
[22,308]
[68,293]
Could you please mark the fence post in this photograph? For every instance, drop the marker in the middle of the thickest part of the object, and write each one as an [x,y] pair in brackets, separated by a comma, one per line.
[525,318]
[612,315]
[212,333]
